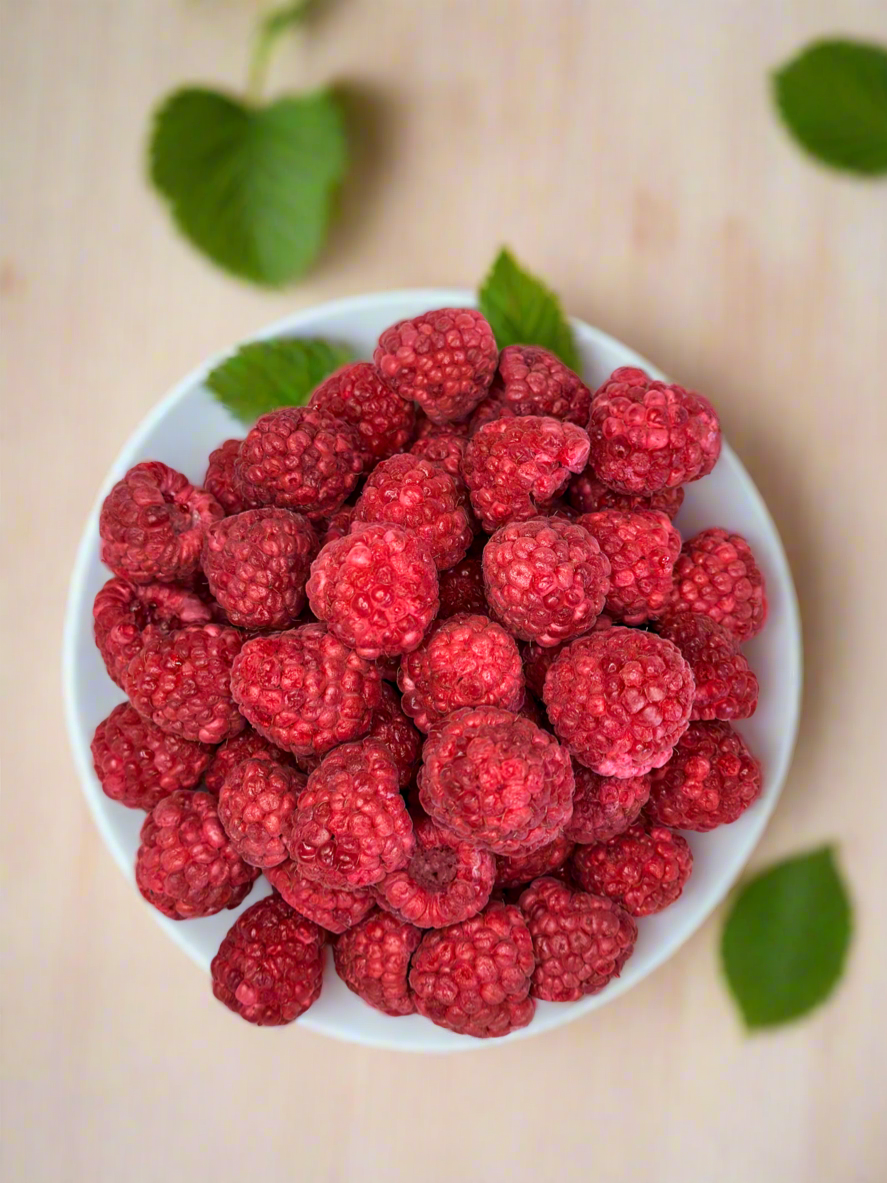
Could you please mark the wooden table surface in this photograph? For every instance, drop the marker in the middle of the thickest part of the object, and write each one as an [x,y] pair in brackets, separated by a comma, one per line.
[630,154]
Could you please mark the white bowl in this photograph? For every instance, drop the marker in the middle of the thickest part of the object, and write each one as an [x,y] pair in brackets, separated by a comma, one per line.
[189,423]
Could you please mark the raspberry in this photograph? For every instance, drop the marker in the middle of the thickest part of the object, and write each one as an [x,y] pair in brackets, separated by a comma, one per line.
[444,360]
[444,882]
[304,690]
[138,764]
[352,827]
[530,709]
[300,458]
[716,574]
[377,590]
[513,467]
[186,866]
[587,495]
[545,579]
[182,682]
[356,395]
[516,869]
[418,495]
[710,781]
[474,977]
[462,589]
[373,960]
[152,524]
[466,661]
[644,869]
[490,410]
[647,436]
[257,566]
[248,745]
[620,700]
[726,688]
[401,739]
[256,806]
[604,806]
[642,546]
[535,382]
[496,780]
[333,908]
[269,967]
[222,481]
[444,451]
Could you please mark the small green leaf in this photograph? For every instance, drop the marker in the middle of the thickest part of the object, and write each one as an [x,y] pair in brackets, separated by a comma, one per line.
[265,375]
[523,311]
[786,937]
[250,186]
[833,98]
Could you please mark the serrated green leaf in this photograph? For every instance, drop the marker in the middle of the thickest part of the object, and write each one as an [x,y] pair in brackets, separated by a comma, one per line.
[265,375]
[833,99]
[785,939]
[523,311]
[251,187]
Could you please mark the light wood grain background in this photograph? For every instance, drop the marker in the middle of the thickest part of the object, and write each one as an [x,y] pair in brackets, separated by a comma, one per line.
[629,153]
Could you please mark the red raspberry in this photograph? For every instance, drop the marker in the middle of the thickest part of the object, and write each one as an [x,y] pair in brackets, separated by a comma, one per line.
[333,908]
[604,806]
[546,579]
[373,960]
[304,690]
[377,590]
[444,450]
[710,781]
[490,410]
[444,360]
[152,525]
[356,395]
[726,687]
[256,806]
[530,709]
[269,968]
[620,700]
[587,495]
[138,764]
[352,827]
[182,682]
[474,977]
[516,869]
[186,866]
[222,481]
[496,780]
[426,429]
[462,589]
[337,526]
[538,658]
[642,546]
[535,382]
[466,661]
[644,869]
[513,467]
[716,574]
[248,745]
[647,435]
[300,458]
[401,739]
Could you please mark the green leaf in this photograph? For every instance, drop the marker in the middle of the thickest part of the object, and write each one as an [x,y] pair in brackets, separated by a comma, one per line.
[523,311]
[833,98]
[250,186]
[786,937]
[265,375]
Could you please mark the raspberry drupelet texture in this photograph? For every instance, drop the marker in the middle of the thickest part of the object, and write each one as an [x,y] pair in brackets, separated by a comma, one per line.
[496,780]
[138,764]
[333,908]
[269,967]
[491,409]
[396,731]
[462,589]
[644,869]
[152,525]
[517,869]
[256,806]
[304,690]
[620,700]
[711,779]
[426,429]
[726,687]
[356,394]
[716,575]
[538,658]
[445,450]
[604,806]
[248,745]
[642,546]
[373,960]
[222,481]
[444,360]
[186,865]
[545,579]
[532,381]
[587,494]
[466,661]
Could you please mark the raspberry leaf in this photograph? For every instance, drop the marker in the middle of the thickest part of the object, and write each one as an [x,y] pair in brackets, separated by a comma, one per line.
[265,375]
[785,940]
[523,311]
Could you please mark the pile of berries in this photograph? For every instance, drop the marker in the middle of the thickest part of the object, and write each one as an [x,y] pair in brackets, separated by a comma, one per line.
[429,654]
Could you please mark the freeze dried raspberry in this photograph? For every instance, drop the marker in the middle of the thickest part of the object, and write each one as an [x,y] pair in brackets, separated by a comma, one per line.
[356,395]
[474,977]
[545,579]
[182,682]
[337,526]
[426,429]
[300,458]
[373,960]
[352,827]
[462,589]
[186,865]
[333,908]
[535,382]
[377,590]
[256,806]
[516,869]
[152,524]
[580,941]
[138,764]
[604,806]
[530,709]
[444,360]
[620,700]
[401,739]
[444,451]
[710,781]
[496,780]
[644,869]
[538,658]
[466,661]
[248,745]
[269,967]
[647,435]
[222,481]
[588,495]
[726,687]
[491,409]
[513,467]
[642,546]
[388,667]
[716,575]
[304,690]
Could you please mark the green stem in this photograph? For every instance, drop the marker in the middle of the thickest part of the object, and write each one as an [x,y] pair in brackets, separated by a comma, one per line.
[266,37]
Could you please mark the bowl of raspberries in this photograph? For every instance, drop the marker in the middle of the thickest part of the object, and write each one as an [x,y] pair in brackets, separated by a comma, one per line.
[445,705]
